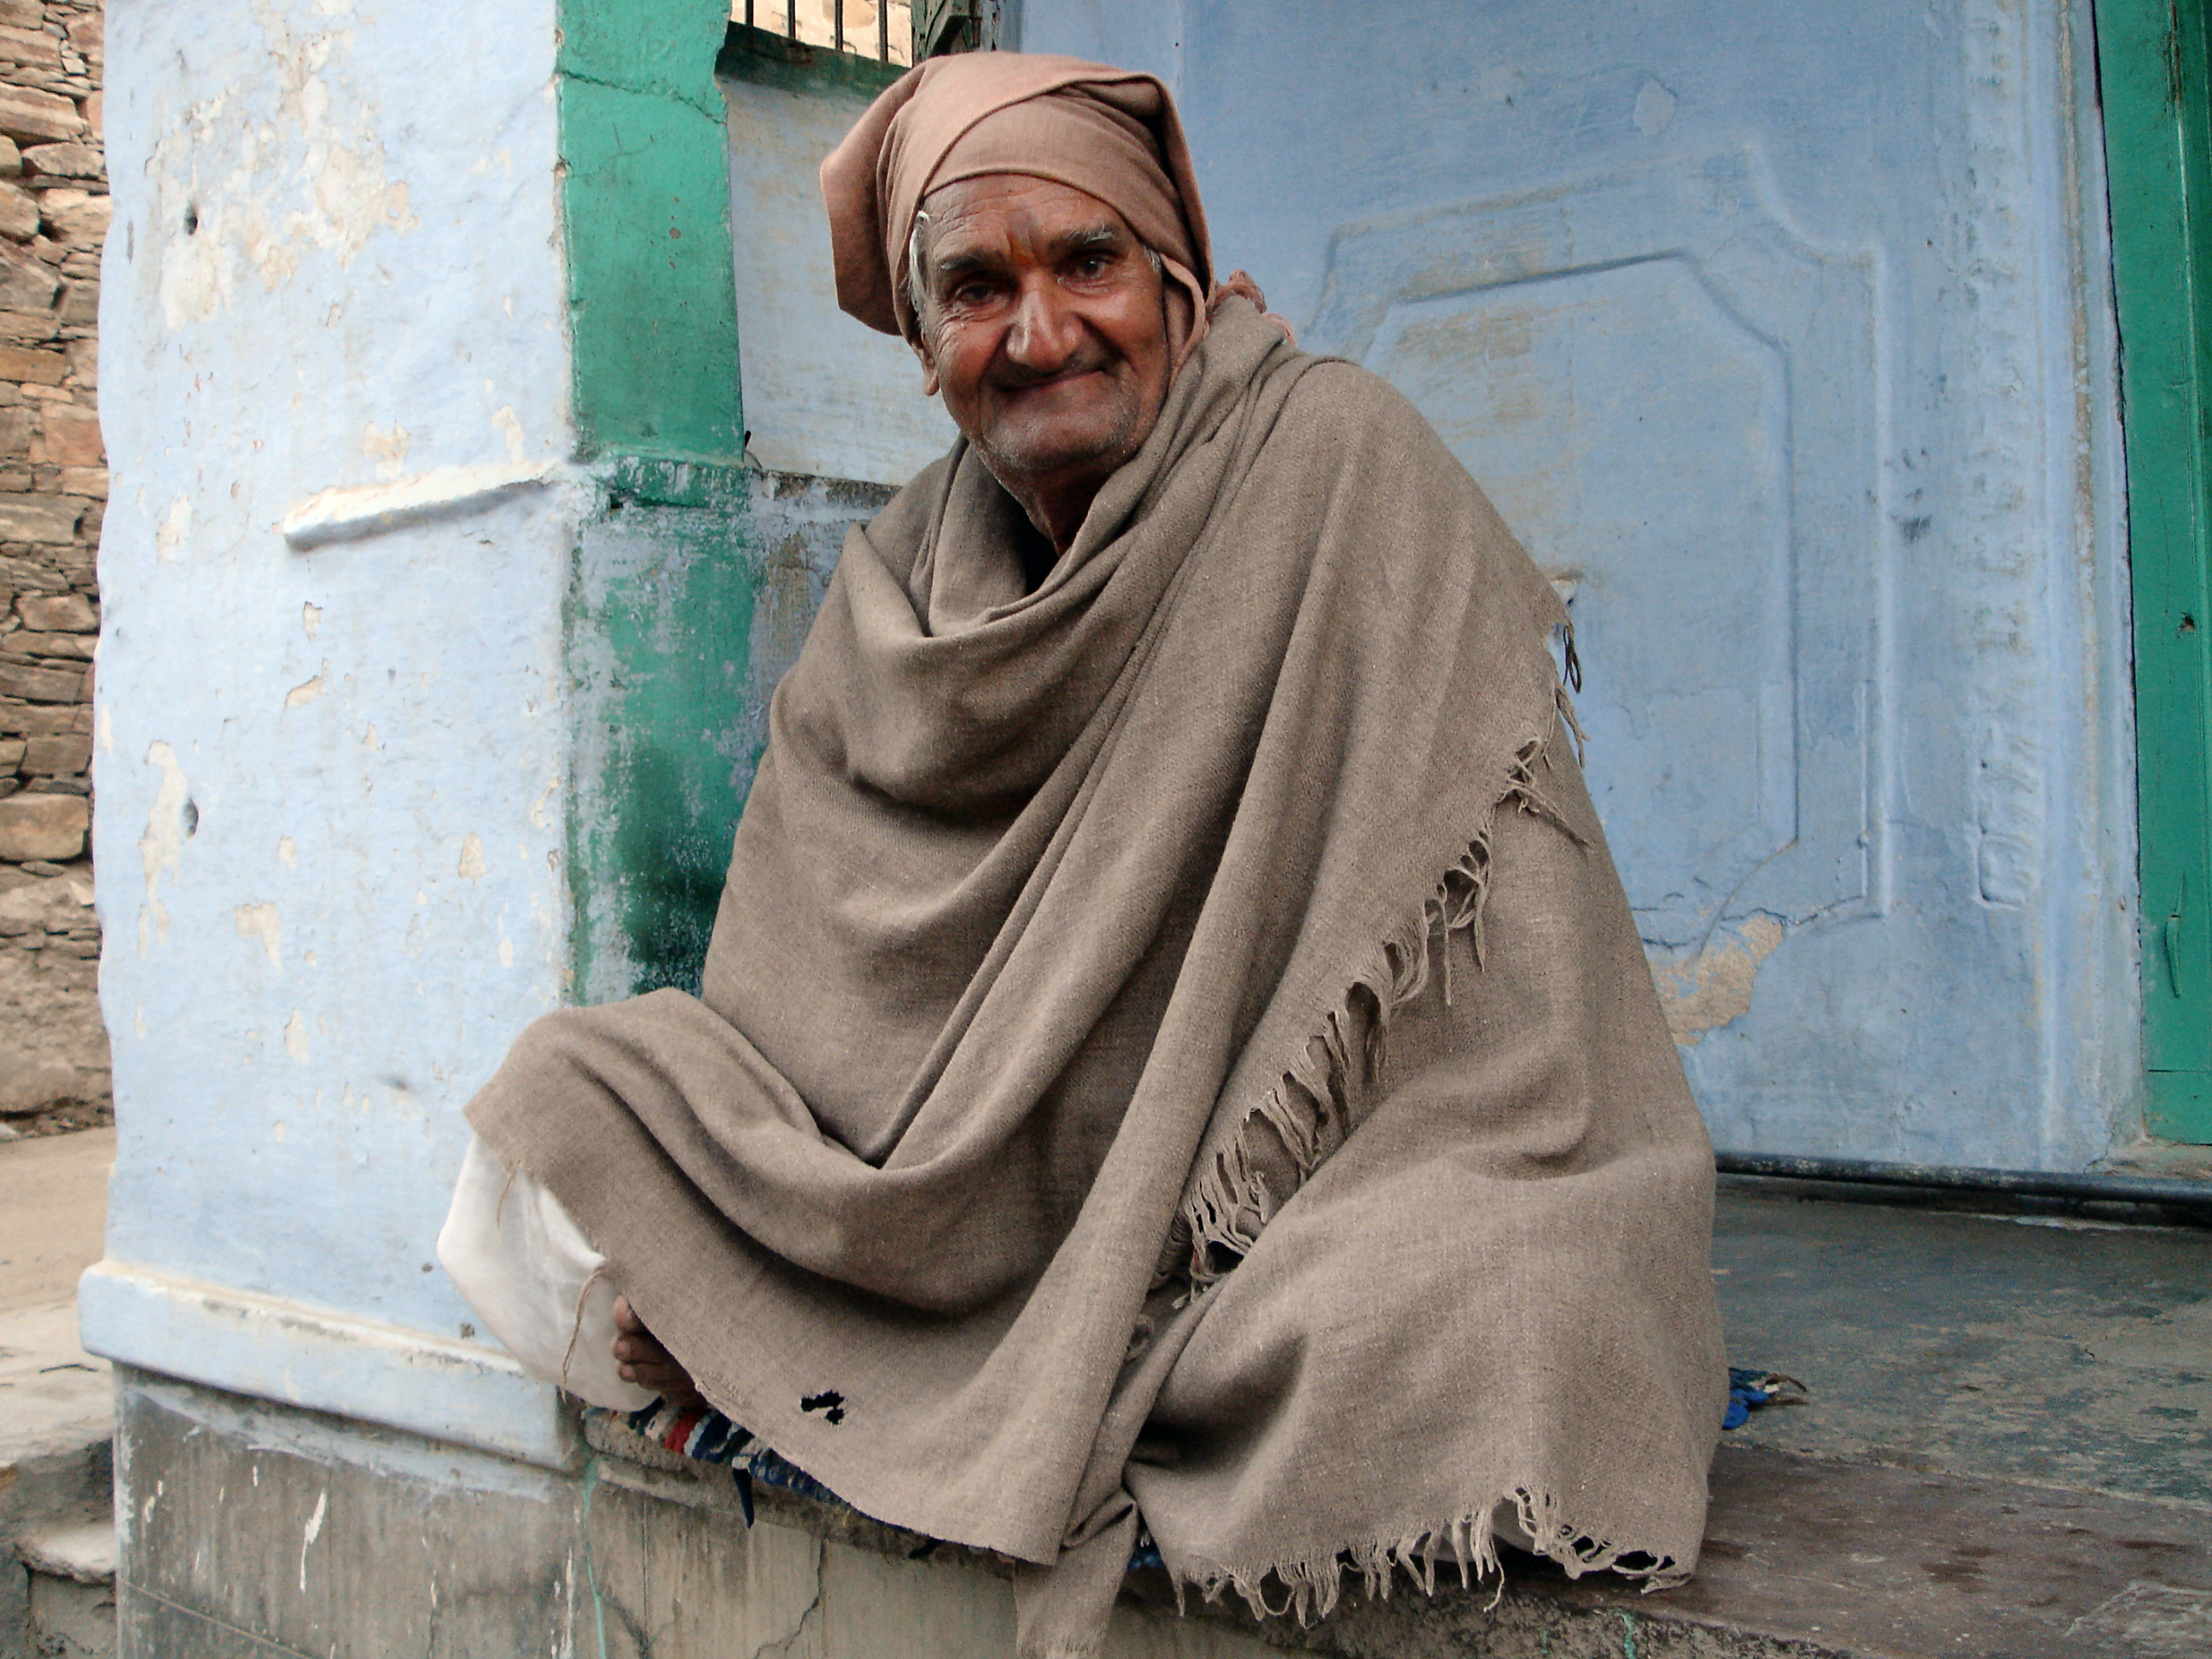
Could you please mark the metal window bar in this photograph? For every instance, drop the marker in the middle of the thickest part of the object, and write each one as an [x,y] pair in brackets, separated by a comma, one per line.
[843,38]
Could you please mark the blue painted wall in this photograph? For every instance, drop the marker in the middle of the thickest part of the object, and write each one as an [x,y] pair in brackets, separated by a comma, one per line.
[1781,337]
[333,740]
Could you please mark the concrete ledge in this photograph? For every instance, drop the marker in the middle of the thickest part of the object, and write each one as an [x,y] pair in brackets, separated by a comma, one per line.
[246,1344]
[364,1542]
[352,512]
[1803,1556]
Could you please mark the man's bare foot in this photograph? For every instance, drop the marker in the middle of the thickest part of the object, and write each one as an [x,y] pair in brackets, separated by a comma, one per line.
[641,1360]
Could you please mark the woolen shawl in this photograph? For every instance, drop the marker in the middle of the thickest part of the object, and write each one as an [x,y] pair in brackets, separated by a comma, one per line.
[1173,1042]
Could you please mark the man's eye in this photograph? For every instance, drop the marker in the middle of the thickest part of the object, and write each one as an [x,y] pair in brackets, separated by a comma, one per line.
[1094,264]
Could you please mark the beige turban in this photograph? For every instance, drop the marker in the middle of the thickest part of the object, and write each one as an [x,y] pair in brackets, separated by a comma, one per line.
[1110,133]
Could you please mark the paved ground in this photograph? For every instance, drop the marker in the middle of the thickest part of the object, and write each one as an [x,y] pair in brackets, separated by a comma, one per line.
[2072,1353]
[53,1207]
[2008,1449]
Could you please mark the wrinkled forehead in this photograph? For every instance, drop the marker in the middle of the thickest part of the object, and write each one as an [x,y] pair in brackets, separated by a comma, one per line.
[1015,215]
[1067,140]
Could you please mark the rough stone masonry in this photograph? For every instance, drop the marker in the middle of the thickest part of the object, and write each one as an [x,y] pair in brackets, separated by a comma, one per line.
[53,483]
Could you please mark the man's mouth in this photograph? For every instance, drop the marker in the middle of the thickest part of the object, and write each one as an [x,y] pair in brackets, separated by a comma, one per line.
[1051,382]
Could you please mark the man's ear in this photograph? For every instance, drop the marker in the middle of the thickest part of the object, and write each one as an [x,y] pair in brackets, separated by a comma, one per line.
[920,342]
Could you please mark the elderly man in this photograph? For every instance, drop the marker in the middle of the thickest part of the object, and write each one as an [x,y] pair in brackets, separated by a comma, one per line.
[1174,1058]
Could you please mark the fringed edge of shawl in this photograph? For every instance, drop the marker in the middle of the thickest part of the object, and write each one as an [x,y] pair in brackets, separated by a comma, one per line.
[1311,1588]
[1310,1106]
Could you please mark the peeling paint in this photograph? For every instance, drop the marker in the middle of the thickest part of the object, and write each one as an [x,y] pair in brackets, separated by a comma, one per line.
[311,618]
[260,921]
[510,426]
[537,818]
[302,183]
[295,1035]
[471,867]
[175,526]
[388,448]
[287,854]
[307,691]
[1712,988]
[313,1531]
[1655,109]
[162,846]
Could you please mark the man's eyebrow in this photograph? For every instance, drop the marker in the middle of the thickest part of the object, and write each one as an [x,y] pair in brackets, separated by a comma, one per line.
[1097,238]
[1092,239]
[954,265]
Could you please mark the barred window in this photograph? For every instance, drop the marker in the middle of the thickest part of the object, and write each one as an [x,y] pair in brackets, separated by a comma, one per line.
[882,30]
[900,32]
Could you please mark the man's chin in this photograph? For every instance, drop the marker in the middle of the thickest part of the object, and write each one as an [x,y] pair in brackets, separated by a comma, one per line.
[1054,455]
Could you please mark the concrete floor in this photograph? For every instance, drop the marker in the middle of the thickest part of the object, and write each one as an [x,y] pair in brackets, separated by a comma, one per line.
[56,1403]
[2070,1353]
[2006,1450]
[53,1207]
[53,1210]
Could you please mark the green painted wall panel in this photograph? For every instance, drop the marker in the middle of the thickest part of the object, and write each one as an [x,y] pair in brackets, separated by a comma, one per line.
[664,48]
[661,620]
[2157,90]
[653,305]
[660,610]
[654,323]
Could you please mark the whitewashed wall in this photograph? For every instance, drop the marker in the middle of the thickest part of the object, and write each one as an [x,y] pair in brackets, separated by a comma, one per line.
[330,763]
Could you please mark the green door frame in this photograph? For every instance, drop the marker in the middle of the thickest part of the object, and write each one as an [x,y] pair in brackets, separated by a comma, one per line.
[2156,82]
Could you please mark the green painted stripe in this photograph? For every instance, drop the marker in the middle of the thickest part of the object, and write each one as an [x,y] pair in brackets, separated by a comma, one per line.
[659,614]
[2157,93]
[652,296]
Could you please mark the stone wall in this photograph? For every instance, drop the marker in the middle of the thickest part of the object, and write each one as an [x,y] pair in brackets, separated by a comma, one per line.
[53,484]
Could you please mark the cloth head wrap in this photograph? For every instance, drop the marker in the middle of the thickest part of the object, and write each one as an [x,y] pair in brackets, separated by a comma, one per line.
[1110,133]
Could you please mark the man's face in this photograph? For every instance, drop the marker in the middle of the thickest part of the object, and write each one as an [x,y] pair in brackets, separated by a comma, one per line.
[1045,326]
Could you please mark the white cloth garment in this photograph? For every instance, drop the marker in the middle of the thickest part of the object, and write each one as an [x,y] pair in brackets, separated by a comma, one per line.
[534,1279]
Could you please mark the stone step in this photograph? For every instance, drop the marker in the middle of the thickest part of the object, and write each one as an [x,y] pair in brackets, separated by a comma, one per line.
[70,1620]
[1809,1558]
[83,1551]
[71,1589]
[55,1496]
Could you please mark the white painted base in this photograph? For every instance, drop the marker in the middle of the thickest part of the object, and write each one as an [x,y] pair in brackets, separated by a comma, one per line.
[274,1350]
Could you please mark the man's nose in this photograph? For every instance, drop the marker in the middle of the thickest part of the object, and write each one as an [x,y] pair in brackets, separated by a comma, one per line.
[1045,332]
